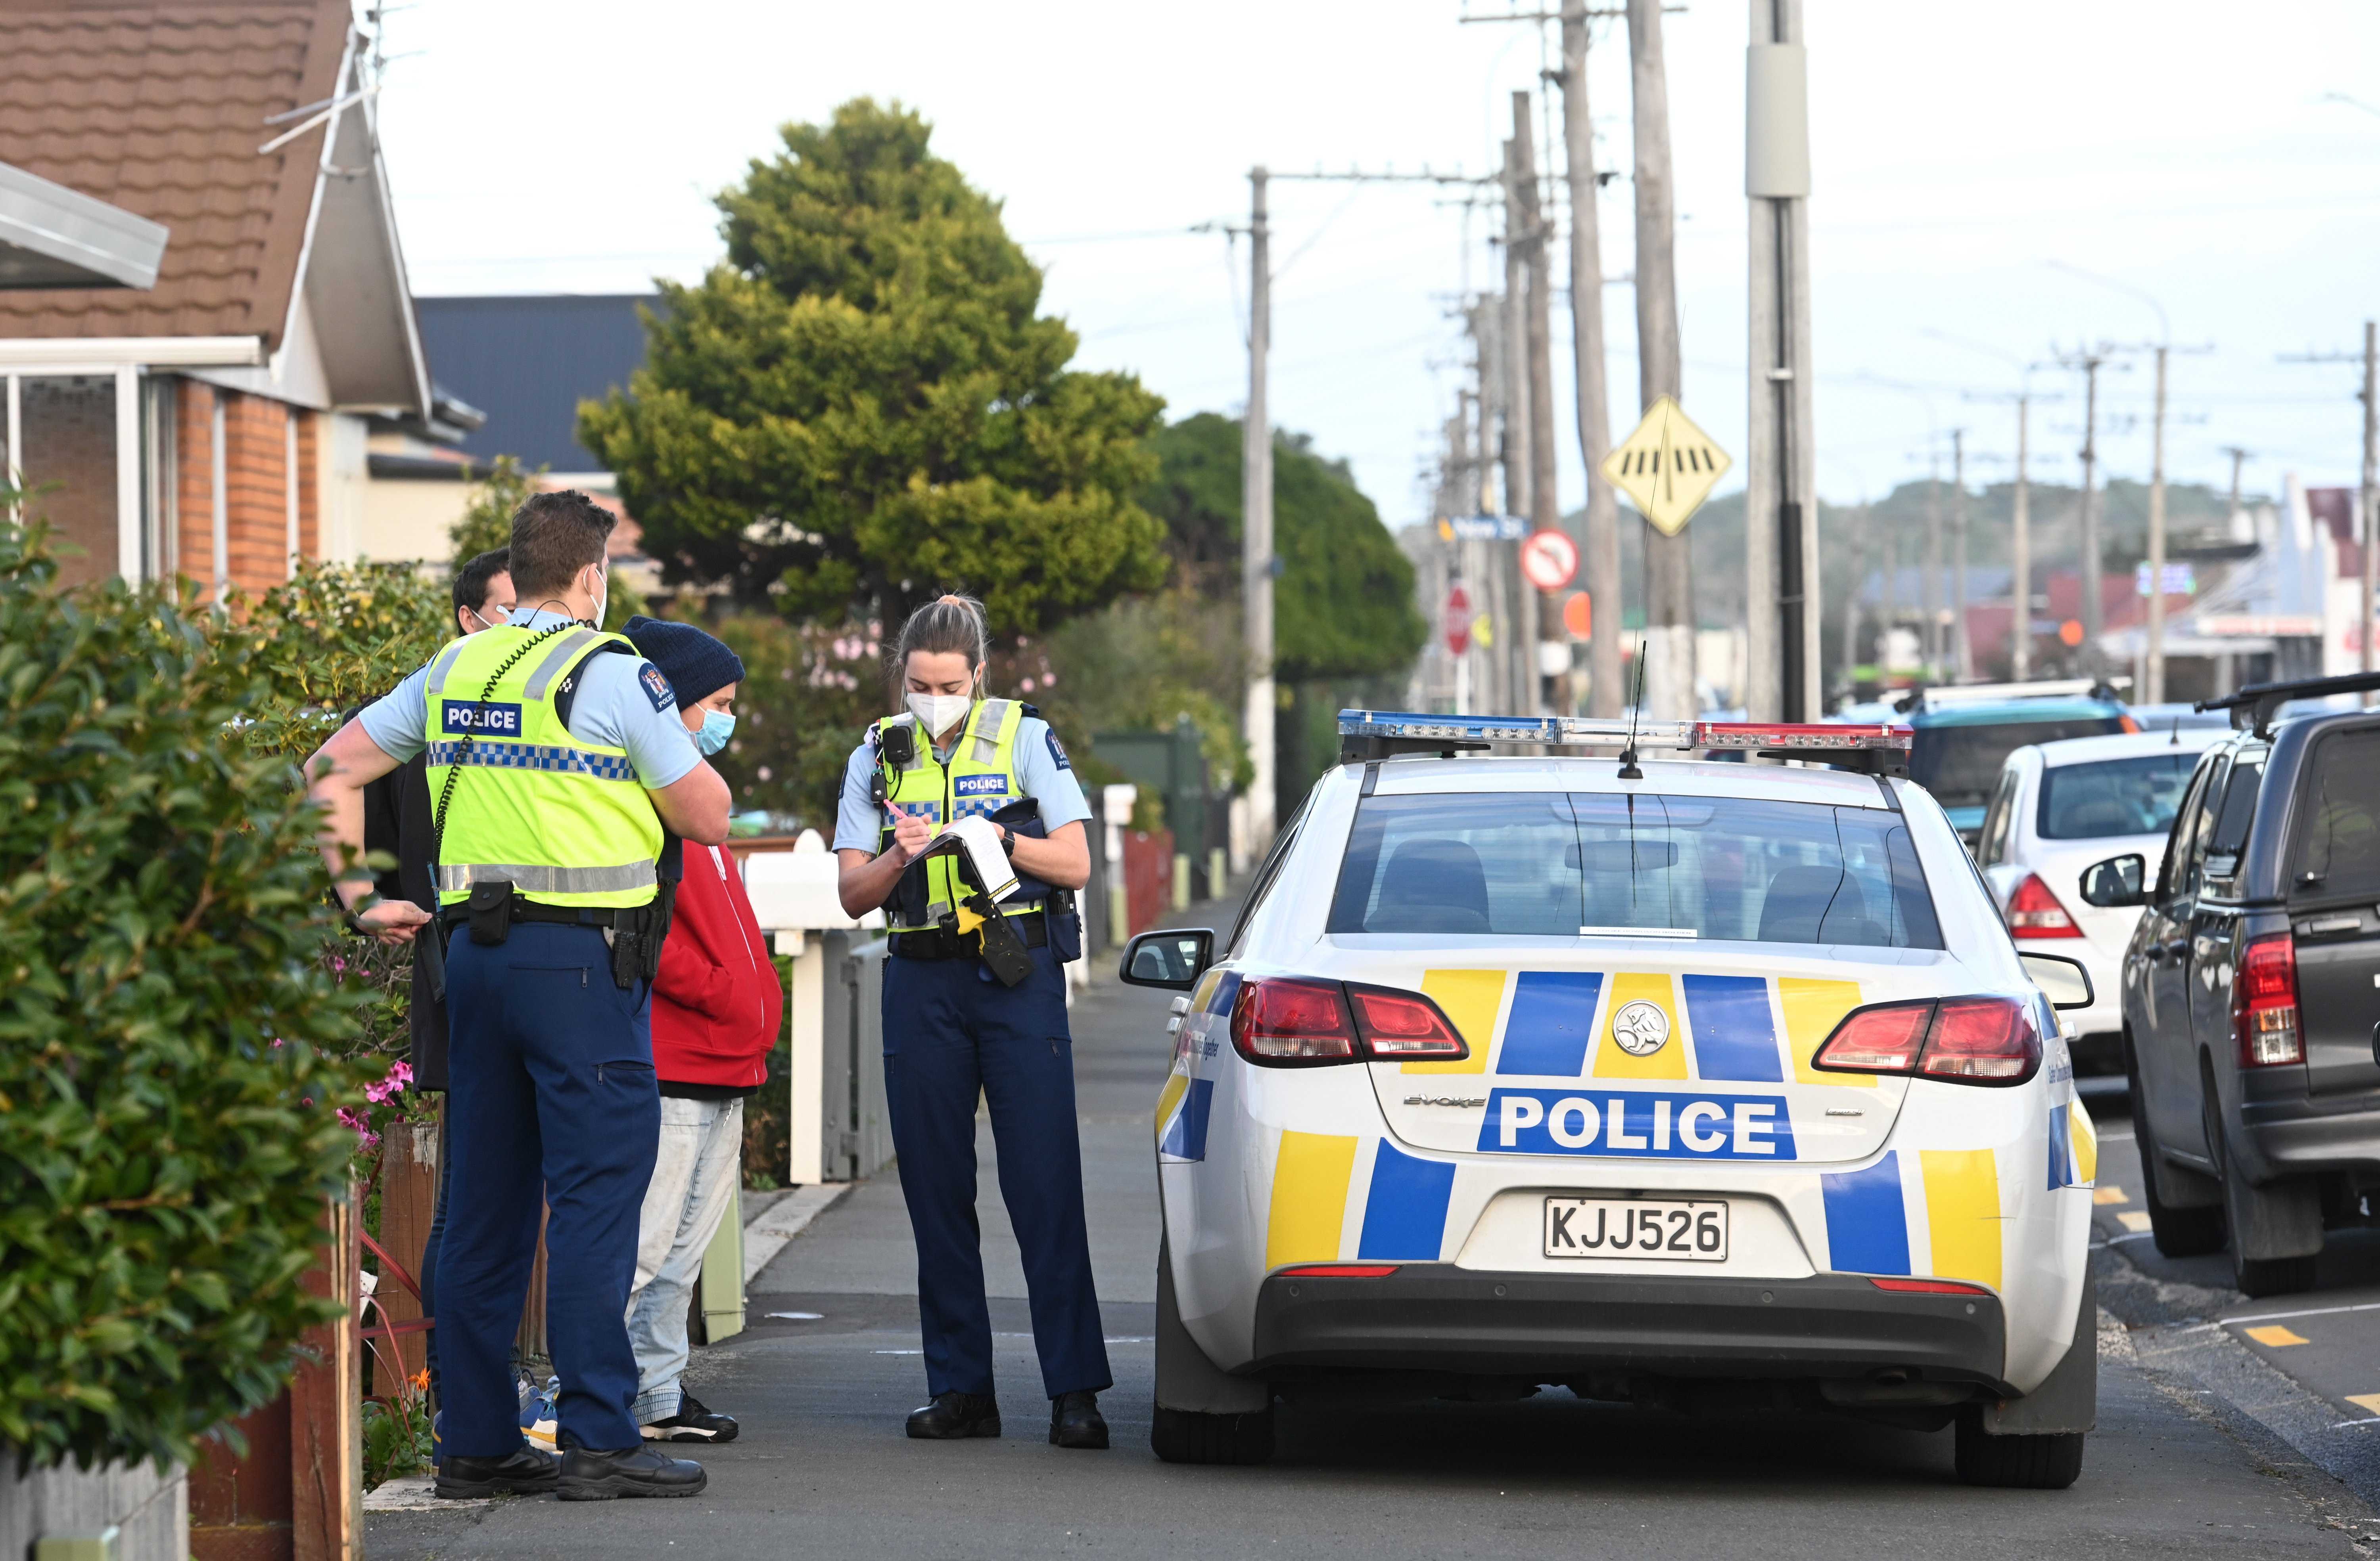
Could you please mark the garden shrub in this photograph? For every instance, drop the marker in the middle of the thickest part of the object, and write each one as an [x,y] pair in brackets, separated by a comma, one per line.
[173,1043]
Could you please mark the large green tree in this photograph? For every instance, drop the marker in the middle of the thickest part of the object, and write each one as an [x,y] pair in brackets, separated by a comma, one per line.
[860,407]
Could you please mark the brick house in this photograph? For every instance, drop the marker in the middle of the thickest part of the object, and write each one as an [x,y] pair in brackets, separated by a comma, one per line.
[215,425]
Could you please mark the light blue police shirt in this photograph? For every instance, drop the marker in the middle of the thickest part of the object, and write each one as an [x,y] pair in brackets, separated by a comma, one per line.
[623,702]
[1042,768]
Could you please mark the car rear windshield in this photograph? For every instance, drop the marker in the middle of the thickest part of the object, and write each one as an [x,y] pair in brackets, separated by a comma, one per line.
[2339,852]
[1549,864]
[2127,796]
[1961,763]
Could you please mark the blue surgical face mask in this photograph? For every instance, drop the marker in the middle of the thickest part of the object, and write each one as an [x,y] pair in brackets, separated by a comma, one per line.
[717,727]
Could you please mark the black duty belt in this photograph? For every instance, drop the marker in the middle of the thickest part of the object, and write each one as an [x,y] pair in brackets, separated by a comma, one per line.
[460,914]
[942,943]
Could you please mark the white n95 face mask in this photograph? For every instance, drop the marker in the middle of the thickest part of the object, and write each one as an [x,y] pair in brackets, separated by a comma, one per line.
[940,712]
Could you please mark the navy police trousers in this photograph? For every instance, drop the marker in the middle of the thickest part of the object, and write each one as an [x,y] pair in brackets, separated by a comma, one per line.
[552,1100]
[950,1030]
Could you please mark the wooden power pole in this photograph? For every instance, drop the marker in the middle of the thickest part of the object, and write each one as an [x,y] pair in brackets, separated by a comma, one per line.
[2021,554]
[1669,561]
[1545,508]
[1256,529]
[1600,551]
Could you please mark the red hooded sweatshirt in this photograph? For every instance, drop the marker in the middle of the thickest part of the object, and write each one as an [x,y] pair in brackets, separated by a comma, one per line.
[717,1004]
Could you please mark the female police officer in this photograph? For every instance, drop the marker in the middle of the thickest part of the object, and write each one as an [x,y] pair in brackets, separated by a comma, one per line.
[954,1026]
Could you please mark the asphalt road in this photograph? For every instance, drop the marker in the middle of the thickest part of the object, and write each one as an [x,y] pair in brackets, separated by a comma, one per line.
[2193,1456]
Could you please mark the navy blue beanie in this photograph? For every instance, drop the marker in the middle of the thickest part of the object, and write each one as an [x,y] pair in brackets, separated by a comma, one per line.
[696,664]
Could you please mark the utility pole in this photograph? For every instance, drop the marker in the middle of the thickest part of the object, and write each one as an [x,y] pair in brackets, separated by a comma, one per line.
[2090,361]
[1545,509]
[2231,515]
[1600,549]
[1935,654]
[1669,561]
[2368,531]
[1962,655]
[2021,551]
[1520,629]
[1255,528]
[2152,671]
[1780,521]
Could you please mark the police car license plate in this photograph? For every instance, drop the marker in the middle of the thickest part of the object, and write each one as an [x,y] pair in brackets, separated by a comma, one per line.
[1651,1230]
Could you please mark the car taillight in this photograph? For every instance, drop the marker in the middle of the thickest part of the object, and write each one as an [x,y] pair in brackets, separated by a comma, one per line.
[1283,1022]
[1403,1026]
[1338,1271]
[2034,911]
[1296,1021]
[1929,1287]
[1959,1040]
[2264,1003]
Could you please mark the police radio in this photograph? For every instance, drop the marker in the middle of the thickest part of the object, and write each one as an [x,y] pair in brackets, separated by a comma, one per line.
[897,747]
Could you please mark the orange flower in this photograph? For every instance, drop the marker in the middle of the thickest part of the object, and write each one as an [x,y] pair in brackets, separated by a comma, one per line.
[421,1380]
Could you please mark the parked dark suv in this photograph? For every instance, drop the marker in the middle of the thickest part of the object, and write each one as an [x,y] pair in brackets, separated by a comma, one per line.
[2252,987]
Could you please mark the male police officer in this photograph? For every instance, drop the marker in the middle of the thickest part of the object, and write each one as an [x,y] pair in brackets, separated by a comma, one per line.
[556,767]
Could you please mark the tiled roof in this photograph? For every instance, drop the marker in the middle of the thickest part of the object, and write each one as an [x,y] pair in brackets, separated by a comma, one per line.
[159,108]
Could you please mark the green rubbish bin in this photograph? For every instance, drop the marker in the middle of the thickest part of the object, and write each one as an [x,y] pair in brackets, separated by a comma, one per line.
[1171,765]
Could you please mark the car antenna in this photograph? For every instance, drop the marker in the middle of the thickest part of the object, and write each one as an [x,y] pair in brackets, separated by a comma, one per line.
[1628,770]
[2176,733]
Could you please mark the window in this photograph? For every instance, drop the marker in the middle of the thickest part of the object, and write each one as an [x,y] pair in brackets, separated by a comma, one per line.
[1268,872]
[2339,850]
[2227,840]
[2127,796]
[2177,844]
[1961,763]
[1991,846]
[1549,865]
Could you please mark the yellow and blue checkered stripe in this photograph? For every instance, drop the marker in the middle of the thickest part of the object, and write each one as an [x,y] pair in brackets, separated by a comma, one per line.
[552,758]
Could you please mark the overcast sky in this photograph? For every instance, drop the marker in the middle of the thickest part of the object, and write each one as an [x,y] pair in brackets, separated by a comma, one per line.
[1961,156]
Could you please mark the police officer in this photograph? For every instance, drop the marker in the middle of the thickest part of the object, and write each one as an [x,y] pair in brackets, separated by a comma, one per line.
[554,764]
[975,1001]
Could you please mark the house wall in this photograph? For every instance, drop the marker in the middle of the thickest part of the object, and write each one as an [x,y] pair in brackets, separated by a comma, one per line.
[407,519]
[257,486]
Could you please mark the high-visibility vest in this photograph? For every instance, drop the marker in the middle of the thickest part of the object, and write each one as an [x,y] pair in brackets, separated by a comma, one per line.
[567,822]
[981,778]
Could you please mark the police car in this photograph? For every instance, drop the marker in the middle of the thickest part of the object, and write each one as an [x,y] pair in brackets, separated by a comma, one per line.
[1702,1086]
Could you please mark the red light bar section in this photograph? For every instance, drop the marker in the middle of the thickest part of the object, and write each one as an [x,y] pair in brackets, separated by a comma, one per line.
[1789,734]
[1340,1271]
[1929,1287]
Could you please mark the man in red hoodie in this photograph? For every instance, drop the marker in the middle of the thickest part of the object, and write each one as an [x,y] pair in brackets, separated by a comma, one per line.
[716,1009]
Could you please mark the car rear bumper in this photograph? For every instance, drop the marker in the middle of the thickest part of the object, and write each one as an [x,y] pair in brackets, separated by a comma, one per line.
[2298,1137]
[1436,1317]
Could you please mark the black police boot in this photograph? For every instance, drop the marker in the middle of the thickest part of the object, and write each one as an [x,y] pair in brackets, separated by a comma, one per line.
[692,1423]
[526,1470]
[1076,1421]
[954,1415]
[593,1474]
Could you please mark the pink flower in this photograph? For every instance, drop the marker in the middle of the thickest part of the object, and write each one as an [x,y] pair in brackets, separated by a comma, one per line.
[399,1076]
[362,1125]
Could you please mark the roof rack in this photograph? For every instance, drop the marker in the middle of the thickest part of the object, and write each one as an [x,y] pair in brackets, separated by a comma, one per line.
[1367,735]
[2252,707]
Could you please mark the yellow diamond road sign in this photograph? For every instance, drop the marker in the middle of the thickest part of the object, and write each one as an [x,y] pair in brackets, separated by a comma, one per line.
[1668,466]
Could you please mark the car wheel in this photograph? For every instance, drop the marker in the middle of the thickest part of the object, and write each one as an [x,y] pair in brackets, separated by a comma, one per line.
[1188,1436]
[2272,1275]
[1236,1428]
[2251,1213]
[2179,1232]
[2024,1463]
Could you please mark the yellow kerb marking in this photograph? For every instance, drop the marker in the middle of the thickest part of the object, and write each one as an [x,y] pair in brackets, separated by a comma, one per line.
[1813,1009]
[1962,1211]
[2085,1135]
[1169,1097]
[2277,1338]
[2111,1194]
[2368,1402]
[1661,991]
[1471,998]
[1309,1197]
[2134,1220]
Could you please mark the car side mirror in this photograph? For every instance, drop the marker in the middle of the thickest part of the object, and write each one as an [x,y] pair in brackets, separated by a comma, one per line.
[2116,882]
[2063,981]
[1173,958]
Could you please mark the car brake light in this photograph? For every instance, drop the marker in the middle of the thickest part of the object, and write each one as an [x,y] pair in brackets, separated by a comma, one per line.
[1283,1022]
[1340,1270]
[1957,1040]
[2034,911]
[1982,1041]
[1877,1040]
[2264,1003]
[1929,1287]
[1403,1026]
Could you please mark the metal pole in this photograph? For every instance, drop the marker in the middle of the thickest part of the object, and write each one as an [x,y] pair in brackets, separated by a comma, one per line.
[1669,561]
[1781,540]
[2153,672]
[1540,610]
[2370,482]
[1962,655]
[1933,593]
[2090,548]
[1256,527]
[1600,545]
[2021,555]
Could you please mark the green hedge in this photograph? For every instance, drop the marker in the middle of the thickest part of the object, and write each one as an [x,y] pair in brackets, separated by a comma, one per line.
[173,1043]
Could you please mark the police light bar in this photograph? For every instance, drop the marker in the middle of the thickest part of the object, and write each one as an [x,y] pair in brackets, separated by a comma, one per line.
[1373,734]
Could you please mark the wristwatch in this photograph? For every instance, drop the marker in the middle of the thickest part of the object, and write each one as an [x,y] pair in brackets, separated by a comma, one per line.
[1008,841]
